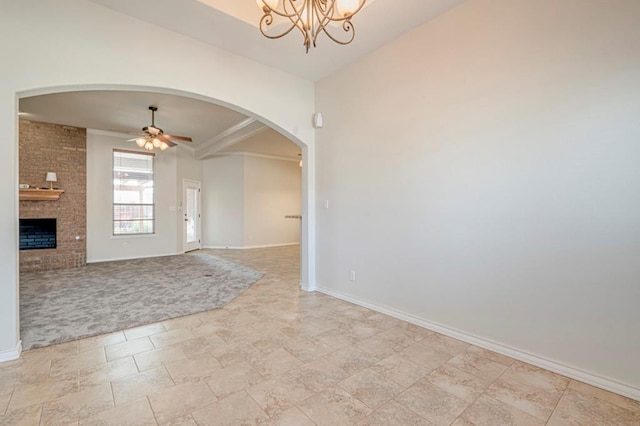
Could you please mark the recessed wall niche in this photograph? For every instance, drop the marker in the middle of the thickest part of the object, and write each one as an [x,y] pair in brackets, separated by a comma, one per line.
[43,148]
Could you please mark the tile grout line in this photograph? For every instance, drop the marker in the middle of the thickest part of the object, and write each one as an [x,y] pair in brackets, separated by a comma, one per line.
[153,413]
[408,408]
[78,379]
[522,382]
[113,395]
[6,409]
[557,403]
[373,410]
[602,399]
[258,404]
[302,402]
[484,391]
[40,415]
[305,414]
[206,382]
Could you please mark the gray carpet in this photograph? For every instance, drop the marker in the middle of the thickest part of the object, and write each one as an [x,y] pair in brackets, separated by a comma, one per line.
[64,305]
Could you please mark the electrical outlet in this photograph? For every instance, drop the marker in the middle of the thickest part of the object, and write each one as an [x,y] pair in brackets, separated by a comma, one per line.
[326,204]
[352,275]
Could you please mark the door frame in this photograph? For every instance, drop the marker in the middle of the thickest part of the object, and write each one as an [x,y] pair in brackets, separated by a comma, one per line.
[189,183]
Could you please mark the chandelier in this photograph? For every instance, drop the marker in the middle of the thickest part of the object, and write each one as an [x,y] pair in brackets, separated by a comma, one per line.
[311,17]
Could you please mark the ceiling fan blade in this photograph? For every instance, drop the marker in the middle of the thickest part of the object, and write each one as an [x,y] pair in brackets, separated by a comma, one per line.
[178,138]
[166,140]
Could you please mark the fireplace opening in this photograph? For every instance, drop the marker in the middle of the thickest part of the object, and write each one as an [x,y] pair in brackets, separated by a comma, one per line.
[36,234]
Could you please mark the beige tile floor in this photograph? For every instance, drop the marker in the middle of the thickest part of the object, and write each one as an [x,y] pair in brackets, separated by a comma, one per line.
[279,356]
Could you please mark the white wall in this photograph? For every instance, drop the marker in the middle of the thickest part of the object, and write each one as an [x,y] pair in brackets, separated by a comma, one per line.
[188,166]
[223,202]
[75,44]
[246,198]
[102,245]
[482,173]
[271,192]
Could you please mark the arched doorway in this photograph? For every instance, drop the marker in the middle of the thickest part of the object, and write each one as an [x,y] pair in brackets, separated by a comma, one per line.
[306,279]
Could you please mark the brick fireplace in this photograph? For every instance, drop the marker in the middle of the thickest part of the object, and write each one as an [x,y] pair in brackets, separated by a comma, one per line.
[61,149]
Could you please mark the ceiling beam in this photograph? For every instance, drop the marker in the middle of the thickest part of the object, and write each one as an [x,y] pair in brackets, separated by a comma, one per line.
[231,136]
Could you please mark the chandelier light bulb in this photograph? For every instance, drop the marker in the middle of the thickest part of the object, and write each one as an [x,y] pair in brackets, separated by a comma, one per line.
[157,142]
[347,7]
[163,146]
[273,4]
[148,146]
[140,142]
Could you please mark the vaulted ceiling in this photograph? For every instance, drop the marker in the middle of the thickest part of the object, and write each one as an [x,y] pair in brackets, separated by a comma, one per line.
[231,25]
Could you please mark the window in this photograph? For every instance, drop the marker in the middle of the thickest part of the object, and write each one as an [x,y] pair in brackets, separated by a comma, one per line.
[133,208]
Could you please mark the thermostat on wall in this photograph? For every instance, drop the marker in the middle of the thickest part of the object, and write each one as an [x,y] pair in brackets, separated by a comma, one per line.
[24,186]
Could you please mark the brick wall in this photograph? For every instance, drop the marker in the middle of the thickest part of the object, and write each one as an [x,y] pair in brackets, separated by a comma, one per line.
[46,148]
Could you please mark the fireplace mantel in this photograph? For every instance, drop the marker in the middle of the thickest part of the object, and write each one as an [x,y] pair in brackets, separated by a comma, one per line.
[33,194]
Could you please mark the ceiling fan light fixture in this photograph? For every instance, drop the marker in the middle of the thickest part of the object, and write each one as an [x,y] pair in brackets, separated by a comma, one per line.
[154,137]
[311,17]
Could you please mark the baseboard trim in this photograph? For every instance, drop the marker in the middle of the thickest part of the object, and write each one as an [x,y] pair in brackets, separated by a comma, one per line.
[11,354]
[251,247]
[115,259]
[539,361]
[306,287]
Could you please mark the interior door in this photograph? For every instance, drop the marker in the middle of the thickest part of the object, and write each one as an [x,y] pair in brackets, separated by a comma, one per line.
[191,215]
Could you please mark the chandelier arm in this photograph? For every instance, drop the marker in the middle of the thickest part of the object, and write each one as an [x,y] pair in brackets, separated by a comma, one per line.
[318,13]
[348,27]
[325,17]
[297,17]
[311,17]
[324,13]
[267,20]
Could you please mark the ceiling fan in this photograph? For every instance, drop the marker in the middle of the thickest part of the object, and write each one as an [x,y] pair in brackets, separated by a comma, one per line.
[154,137]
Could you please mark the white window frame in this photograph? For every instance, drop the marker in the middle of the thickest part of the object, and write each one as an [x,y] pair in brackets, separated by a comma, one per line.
[114,218]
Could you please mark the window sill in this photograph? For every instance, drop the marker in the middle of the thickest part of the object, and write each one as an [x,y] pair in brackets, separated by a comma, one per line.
[127,236]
